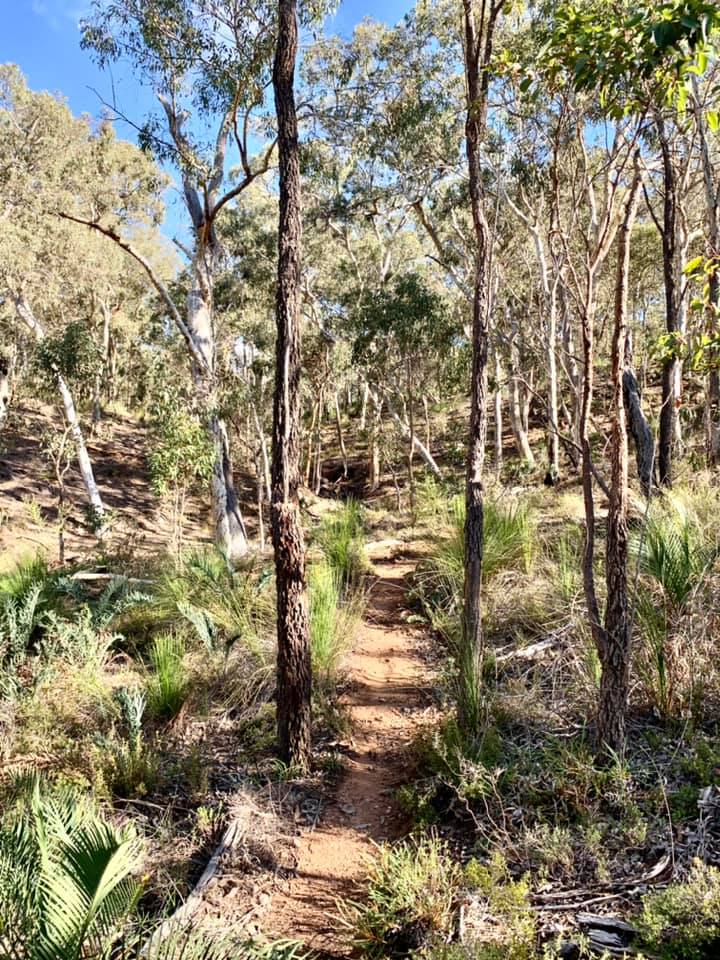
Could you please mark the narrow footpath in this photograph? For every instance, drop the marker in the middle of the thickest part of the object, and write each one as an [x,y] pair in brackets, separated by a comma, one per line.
[385,702]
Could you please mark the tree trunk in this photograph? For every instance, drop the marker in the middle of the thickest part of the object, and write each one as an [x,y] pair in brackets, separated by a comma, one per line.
[670,371]
[5,388]
[417,443]
[614,650]
[293,635]
[588,341]
[639,427]
[553,440]
[229,529]
[84,463]
[498,416]
[478,36]
[522,442]
[340,435]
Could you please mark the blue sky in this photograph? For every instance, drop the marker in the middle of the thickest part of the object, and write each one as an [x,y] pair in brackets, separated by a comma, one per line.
[43,38]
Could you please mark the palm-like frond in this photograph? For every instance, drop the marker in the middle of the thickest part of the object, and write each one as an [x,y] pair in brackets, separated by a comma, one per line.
[65,877]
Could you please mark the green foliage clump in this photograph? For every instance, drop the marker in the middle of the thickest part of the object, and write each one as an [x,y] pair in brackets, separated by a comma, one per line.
[675,553]
[508,902]
[72,355]
[342,542]
[223,606]
[682,922]
[412,887]
[509,535]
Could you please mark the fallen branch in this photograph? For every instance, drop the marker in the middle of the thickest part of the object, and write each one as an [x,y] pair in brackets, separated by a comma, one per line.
[183,913]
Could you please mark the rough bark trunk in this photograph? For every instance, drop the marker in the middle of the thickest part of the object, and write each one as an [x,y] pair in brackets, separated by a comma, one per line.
[614,650]
[588,342]
[479,29]
[293,666]
[670,371]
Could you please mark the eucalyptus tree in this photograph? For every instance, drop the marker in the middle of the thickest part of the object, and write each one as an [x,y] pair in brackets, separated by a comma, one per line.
[55,168]
[383,159]
[480,23]
[208,63]
[610,50]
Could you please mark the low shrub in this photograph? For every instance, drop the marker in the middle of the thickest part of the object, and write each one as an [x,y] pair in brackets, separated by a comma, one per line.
[411,893]
[682,922]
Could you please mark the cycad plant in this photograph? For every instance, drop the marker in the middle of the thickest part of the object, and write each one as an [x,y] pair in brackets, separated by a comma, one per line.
[66,877]
[674,556]
[224,606]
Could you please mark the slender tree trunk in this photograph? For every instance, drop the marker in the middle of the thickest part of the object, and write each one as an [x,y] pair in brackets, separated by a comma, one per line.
[294,671]
[588,340]
[412,438]
[317,469]
[479,29]
[498,415]
[84,463]
[712,388]
[637,422]
[340,435]
[364,405]
[417,443]
[614,650]
[553,439]
[670,371]
[517,421]
[5,388]
[426,415]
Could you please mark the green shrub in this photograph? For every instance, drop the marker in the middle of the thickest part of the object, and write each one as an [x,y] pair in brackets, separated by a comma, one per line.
[341,539]
[509,535]
[682,922]
[168,686]
[674,552]
[507,901]
[412,887]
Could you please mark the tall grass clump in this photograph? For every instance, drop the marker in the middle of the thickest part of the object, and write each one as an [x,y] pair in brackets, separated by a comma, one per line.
[342,541]
[675,554]
[168,685]
[333,621]
[509,540]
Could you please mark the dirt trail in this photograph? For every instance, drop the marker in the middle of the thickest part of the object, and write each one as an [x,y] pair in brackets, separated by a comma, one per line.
[385,702]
